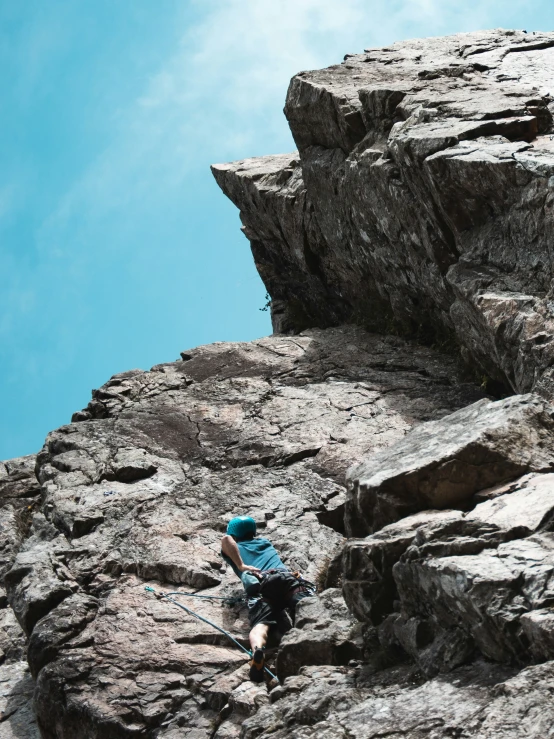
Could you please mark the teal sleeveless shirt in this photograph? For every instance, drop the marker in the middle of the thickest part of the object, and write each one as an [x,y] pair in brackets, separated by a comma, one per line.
[258,553]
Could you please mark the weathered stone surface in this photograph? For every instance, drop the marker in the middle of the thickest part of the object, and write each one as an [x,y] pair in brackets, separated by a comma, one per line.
[473,601]
[19,497]
[420,191]
[443,585]
[324,634]
[38,581]
[538,627]
[59,627]
[442,464]
[285,238]
[17,478]
[17,718]
[19,493]
[138,491]
[343,703]
[366,564]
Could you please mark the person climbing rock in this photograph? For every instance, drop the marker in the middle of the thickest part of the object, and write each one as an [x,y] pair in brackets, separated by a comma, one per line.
[271,587]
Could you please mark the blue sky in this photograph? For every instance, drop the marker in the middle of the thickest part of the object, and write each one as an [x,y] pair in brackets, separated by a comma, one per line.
[117,248]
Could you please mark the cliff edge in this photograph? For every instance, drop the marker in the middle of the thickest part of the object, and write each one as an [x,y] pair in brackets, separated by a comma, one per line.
[420,199]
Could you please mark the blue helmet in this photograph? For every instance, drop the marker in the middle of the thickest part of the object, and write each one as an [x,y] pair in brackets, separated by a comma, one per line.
[241,527]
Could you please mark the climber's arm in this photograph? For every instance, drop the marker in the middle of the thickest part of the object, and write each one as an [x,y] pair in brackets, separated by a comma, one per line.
[230,549]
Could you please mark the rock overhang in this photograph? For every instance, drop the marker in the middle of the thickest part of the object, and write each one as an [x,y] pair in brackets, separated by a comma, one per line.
[420,195]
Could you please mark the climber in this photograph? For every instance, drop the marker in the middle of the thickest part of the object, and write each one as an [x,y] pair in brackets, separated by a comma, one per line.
[270,586]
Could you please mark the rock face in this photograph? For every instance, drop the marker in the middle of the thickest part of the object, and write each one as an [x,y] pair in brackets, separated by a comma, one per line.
[138,490]
[19,498]
[325,634]
[444,463]
[443,585]
[343,703]
[420,195]
[453,605]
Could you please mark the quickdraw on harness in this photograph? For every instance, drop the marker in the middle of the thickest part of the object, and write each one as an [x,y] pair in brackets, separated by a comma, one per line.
[167,596]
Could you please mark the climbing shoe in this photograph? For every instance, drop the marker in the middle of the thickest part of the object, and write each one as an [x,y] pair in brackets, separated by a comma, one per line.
[257,662]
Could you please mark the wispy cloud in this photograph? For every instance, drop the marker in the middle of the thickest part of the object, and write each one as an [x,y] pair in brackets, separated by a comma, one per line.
[222,90]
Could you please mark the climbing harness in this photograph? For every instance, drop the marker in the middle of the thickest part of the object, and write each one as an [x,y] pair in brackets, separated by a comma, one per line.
[167,596]
[312,587]
[278,586]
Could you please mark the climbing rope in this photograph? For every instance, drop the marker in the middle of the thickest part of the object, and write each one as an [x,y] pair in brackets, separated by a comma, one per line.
[167,596]
[231,600]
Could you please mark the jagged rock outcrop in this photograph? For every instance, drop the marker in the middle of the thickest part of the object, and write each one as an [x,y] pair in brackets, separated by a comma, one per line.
[480,701]
[444,463]
[19,498]
[325,633]
[420,194]
[464,593]
[138,489]
[444,585]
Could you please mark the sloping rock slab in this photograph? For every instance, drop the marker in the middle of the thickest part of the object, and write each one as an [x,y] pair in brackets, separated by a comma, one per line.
[444,463]
[138,490]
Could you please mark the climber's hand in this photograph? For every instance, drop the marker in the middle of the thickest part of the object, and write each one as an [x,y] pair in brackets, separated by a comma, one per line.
[254,570]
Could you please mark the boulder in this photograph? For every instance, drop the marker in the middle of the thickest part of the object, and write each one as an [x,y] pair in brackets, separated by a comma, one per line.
[442,464]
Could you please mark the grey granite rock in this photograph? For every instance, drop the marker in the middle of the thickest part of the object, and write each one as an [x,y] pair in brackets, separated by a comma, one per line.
[342,703]
[325,634]
[366,564]
[475,602]
[19,499]
[17,718]
[19,494]
[442,464]
[445,585]
[138,490]
[419,198]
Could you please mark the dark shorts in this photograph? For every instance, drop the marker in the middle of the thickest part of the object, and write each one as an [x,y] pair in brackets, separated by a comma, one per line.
[261,611]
